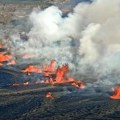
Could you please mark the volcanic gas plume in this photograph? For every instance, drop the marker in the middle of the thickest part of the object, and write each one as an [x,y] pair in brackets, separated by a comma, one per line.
[87,38]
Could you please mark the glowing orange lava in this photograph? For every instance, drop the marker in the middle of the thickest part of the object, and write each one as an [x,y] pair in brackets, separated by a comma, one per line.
[55,76]
[32,69]
[60,74]
[48,70]
[4,57]
[116,94]
[61,78]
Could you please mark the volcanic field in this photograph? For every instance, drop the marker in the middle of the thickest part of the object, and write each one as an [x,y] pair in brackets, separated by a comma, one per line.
[59,60]
[31,93]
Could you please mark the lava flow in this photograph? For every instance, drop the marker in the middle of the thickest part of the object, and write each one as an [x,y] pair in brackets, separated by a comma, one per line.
[32,69]
[55,76]
[50,69]
[61,78]
[116,94]
[4,57]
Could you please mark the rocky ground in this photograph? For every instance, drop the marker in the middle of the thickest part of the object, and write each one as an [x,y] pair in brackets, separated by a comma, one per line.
[12,11]
[30,103]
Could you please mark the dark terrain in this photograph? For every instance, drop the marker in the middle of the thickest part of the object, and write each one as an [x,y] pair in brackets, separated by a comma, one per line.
[69,103]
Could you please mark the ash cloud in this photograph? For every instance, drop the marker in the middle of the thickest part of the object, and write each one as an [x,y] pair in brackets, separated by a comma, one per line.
[88,39]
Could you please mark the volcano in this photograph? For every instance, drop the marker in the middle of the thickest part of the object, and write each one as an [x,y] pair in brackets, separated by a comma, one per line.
[59,60]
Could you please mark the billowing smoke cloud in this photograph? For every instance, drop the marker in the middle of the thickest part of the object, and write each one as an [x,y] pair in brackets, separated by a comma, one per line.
[88,39]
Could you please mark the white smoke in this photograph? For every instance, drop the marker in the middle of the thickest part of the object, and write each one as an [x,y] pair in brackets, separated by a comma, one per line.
[88,48]
[89,37]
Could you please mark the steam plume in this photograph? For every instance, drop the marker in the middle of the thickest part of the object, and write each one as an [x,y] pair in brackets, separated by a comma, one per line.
[88,38]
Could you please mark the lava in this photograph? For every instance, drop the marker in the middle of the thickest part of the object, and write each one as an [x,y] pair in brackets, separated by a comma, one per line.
[61,72]
[50,69]
[61,78]
[32,69]
[55,76]
[60,75]
[116,94]
[4,57]
[49,95]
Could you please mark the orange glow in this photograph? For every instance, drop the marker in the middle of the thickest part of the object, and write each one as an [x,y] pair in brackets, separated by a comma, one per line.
[116,94]
[32,69]
[4,57]
[61,72]
[13,62]
[61,78]
[59,75]
[49,95]
[47,70]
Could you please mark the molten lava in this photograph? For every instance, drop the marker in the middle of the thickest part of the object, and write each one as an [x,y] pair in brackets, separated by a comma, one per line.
[54,76]
[49,95]
[4,57]
[32,69]
[48,70]
[116,94]
[60,74]
[61,78]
